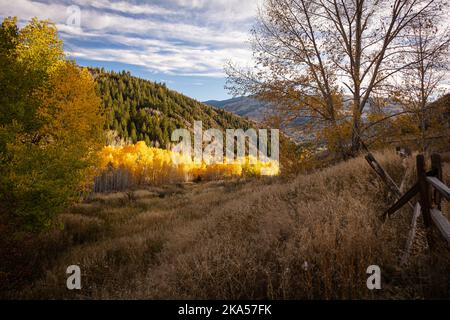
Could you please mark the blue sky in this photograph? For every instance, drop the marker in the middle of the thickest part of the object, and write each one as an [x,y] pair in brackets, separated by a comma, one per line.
[185,43]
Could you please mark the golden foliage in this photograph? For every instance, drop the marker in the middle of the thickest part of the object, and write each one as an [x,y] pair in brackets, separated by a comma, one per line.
[70,108]
[50,125]
[157,166]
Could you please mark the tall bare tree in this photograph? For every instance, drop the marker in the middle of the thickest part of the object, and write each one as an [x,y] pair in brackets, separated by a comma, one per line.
[428,38]
[311,54]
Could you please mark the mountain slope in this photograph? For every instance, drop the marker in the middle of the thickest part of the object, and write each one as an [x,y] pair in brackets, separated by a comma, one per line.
[247,107]
[142,110]
[255,109]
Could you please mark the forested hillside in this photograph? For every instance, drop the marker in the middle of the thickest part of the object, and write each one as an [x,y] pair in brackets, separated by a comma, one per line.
[141,110]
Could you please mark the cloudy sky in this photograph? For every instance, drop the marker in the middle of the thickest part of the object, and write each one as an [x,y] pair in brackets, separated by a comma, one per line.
[184,43]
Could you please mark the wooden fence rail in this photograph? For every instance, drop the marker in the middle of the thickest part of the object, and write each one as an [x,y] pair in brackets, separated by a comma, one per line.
[385,177]
[441,223]
[440,187]
[431,190]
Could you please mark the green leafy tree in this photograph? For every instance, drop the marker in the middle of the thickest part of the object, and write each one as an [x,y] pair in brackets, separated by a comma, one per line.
[50,125]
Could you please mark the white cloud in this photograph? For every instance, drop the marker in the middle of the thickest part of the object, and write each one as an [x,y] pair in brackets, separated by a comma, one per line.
[124,7]
[173,36]
[25,10]
[180,61]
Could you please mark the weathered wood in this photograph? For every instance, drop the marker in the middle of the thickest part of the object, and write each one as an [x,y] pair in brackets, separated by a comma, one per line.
[441,223]
[425,202]
[383,174]
[412,234]
[440,186]
[403,200]
[430,215]
[436,165]
[385,177]
[424,190]
[403,183]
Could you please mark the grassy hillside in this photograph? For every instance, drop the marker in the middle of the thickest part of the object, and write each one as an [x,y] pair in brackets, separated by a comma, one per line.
[306,238]
[143,110]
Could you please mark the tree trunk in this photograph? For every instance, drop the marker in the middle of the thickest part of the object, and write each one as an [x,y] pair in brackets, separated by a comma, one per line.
[423,129]
[356,134]
[356,126]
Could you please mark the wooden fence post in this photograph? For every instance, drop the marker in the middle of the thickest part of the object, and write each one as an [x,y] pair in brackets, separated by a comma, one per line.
[437,170]
[424,190]
[425,202]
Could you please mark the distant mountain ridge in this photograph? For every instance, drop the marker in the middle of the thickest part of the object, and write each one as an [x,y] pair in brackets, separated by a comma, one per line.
[247,107]
[255,109]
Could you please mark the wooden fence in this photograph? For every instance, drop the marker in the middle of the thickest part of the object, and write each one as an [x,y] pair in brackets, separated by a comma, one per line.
[431,190]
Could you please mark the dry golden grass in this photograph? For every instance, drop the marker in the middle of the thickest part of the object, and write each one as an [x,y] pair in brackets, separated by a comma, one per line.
[311,237]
